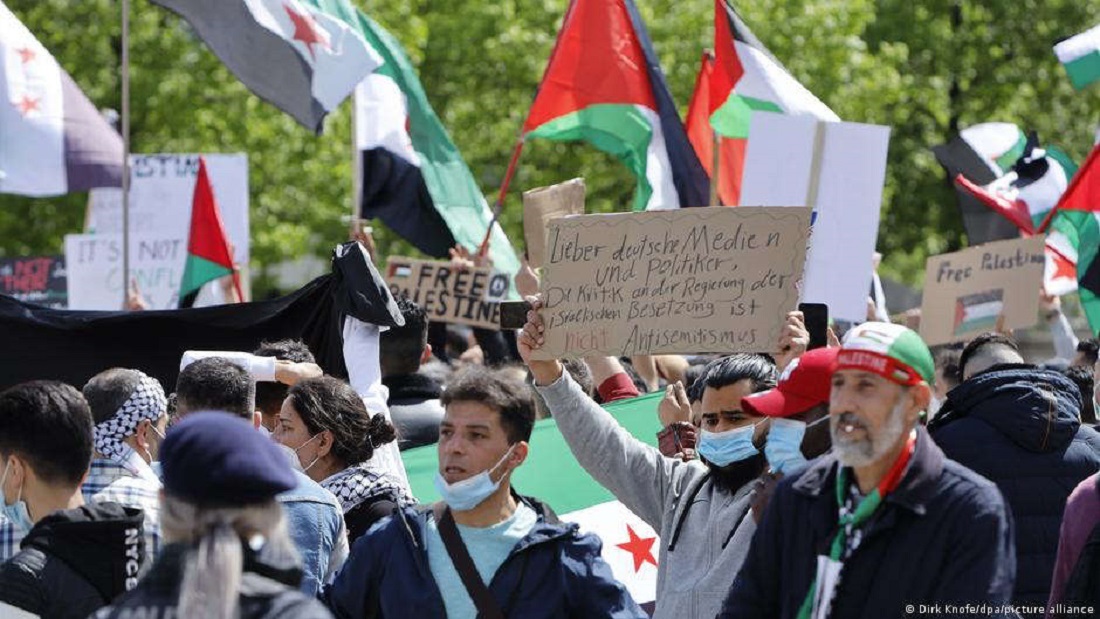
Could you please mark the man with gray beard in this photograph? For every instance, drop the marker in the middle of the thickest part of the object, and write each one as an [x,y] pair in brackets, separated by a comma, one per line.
[885,525]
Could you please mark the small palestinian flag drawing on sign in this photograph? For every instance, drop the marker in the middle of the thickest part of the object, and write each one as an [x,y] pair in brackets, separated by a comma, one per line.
[978,311]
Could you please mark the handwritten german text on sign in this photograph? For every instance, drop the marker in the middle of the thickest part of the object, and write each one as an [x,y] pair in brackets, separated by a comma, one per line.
[468,297]
[967,291]
[695,280]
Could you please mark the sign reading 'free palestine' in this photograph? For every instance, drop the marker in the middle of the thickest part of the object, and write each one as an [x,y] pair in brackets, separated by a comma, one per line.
[696,280]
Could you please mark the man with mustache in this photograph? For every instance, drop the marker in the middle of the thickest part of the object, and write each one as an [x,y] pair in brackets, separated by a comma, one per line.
[884,526]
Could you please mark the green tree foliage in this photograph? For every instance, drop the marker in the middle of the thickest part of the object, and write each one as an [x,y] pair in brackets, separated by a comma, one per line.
[926,68]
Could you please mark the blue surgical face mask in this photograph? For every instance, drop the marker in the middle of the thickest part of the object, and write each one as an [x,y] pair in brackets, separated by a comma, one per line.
[723,448]
[469,493]
[17,512]
[784,446]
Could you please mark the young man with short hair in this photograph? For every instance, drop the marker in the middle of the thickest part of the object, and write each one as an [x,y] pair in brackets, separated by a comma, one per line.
[484,550]
[76,557]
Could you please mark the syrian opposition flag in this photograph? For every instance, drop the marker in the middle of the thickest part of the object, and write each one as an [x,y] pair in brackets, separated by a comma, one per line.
[746,77]
[603,85]
[54,141]
[209,255]
[552,475]
[302,56]
[414,178]
[1080,55]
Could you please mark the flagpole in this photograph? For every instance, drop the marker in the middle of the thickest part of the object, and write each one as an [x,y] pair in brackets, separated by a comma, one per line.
[356,166]
[125,152]
[716,170]
[499,206]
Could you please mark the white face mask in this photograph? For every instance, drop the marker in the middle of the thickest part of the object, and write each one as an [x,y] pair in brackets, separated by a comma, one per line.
[469,493]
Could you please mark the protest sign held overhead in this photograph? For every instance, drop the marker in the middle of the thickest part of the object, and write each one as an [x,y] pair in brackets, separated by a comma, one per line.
[692,281]
[468,296]
[546,203]
[39,280]
[966,292]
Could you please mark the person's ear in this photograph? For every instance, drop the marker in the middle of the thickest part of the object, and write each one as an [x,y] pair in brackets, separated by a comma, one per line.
[325,443]
[257,420]
[426,355]
[921,396]
[519,455]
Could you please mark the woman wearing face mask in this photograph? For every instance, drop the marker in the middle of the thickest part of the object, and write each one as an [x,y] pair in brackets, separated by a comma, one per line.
[334,437]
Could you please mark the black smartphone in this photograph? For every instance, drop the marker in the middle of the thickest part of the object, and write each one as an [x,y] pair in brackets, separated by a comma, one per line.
[513,314]
[816,318]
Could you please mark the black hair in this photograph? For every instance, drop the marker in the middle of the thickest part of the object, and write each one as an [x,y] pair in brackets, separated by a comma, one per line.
[328,403]
[693,383]
[759,369]
[48,424]
[107,391]
[402,347]
[499,391]
[1090,348]
[269,394]
[1085,381]
[986,340]
[216,384]
[948,361]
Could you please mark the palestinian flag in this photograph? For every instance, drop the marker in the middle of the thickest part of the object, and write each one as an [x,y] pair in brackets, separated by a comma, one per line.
[299,55]
[630,546]
[414,178]
[603,84]
[209,256]
[746,77]
[52,138]
[731,153]
[1027,192]
[1080,55]
[1078,217]
[978,312]
[982,153]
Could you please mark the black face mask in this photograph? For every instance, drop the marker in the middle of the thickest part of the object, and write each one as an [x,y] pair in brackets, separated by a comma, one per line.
[736,474]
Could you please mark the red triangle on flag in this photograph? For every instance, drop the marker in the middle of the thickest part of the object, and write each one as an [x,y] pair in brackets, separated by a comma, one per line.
[728,69]
[207,239]
[731,152]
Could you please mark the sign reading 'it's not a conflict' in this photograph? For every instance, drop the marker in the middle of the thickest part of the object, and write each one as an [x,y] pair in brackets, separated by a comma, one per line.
[696,280]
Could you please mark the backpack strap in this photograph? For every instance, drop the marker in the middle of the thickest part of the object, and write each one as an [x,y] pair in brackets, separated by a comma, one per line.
[487,607]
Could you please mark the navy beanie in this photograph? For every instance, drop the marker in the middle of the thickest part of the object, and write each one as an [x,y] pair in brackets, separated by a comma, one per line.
[218,460]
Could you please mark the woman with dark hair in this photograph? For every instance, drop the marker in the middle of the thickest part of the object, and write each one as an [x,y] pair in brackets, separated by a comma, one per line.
[334,436]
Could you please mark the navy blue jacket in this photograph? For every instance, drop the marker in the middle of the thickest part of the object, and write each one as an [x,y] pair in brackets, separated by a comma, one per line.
[1019,428]
[943,536]
[554,572]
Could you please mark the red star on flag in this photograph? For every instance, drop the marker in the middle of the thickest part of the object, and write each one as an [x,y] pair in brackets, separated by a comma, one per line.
[1063,267]
[26,53]
[640,547]
[26,105]
[307,31]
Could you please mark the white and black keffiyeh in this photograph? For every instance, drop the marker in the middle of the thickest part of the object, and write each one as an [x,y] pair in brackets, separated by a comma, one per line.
[146,402]
[356,484]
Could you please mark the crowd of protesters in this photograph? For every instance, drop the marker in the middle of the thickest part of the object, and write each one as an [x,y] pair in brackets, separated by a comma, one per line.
[869,478]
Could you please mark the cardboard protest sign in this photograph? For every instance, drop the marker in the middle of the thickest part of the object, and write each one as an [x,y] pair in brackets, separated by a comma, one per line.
[467,297]
[698,280]
[161,193]
[546,203]
[967,291]
[40,280]
[841,169]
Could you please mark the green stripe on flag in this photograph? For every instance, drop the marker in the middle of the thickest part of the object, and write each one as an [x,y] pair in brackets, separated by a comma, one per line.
[1009,157]
[1084,70]
[197,271]
[732,119]
[617,129]
[550,473]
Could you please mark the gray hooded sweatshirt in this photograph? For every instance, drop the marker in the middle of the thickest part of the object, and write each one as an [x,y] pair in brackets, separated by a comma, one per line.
[698,564]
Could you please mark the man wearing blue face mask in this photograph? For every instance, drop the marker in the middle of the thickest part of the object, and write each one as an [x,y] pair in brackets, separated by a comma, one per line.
[484,551]
[701,511]
[797,411]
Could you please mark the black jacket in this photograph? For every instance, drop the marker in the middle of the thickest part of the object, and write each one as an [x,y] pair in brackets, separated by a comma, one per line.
[1019,428]
[75,561]
[943,536]
[415,409]
[269,589]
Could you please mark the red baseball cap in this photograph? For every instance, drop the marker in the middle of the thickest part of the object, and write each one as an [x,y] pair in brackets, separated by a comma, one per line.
[804,384]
